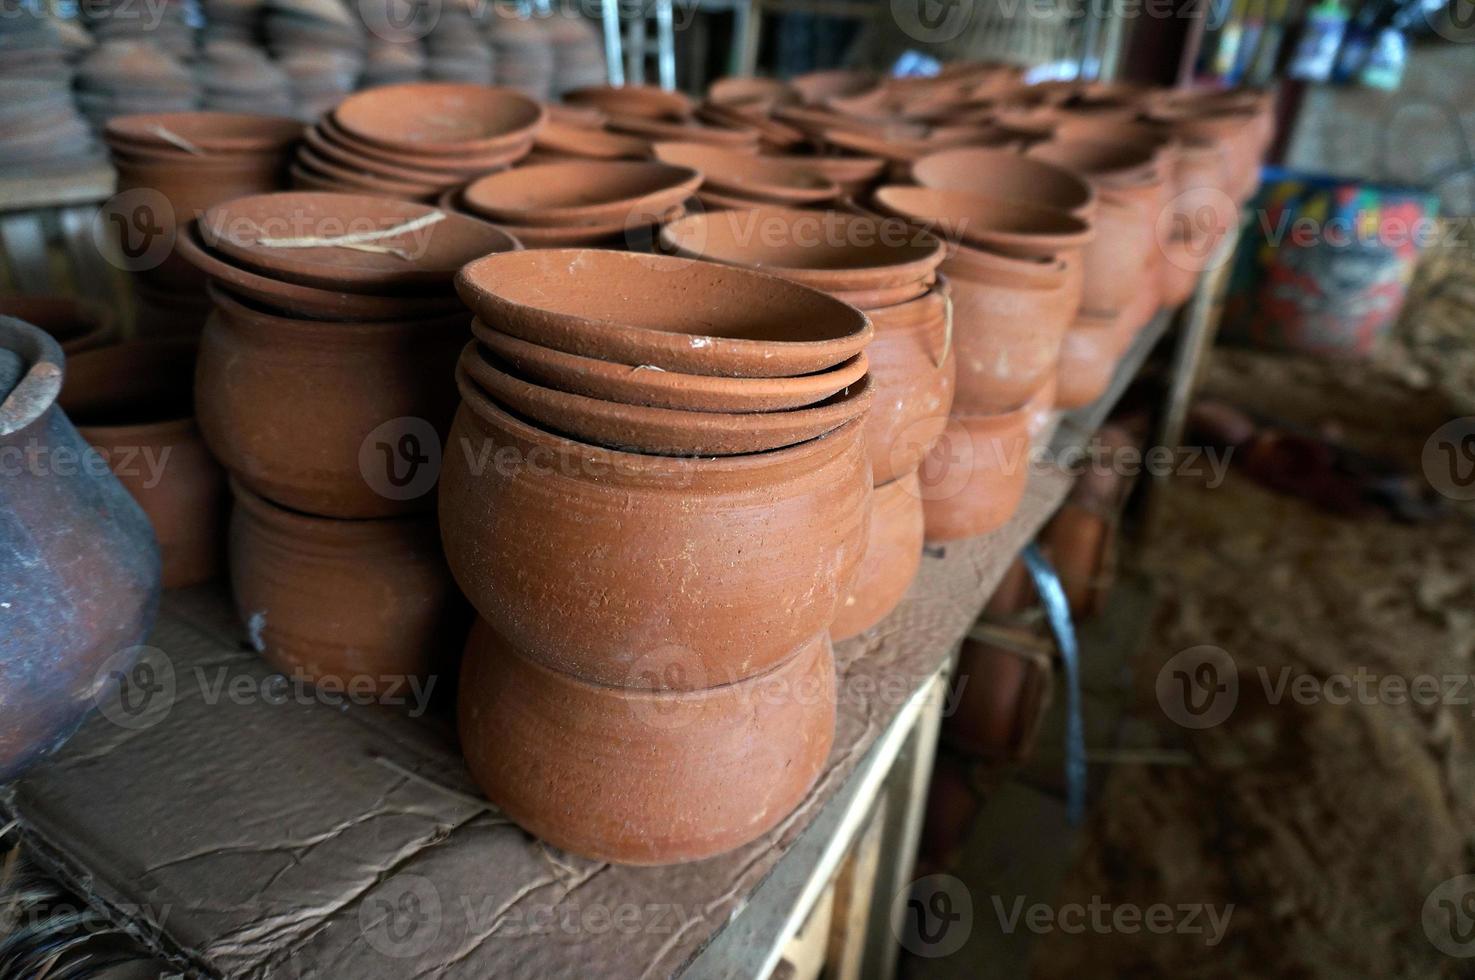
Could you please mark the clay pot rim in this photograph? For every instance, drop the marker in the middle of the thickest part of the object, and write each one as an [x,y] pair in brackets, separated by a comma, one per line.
[158,430]
[915,312]
[585,236]
[816,387]
[309,160]
[771,132]
[970,255]
[1061,176]
[94,317]
[439,165]
[37,388]
[304,526]
[667,104]
[242,311]
[488,412]
[527,116]
[762,428]
[747,174]
[191,169]
[910,268]
[1042,231]
[1110,161]
[674,184]
[658,130]
[592,144]
[850,332]
[252,132]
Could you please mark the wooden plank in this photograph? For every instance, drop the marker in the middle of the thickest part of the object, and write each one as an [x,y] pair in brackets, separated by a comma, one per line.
[79,184]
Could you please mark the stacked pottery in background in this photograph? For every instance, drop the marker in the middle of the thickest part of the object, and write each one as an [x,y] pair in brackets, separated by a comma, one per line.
[238,77]
[578,52]
[656,527]
[122,77]
[887,269]
[416,141]
[522,53]
[37,115]
[320,45]
[393,54]
[455,50]
[235,21]
[322,389]
[654,115]
[162,24]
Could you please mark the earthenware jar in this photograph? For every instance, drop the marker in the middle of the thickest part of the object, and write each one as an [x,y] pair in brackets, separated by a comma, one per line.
[974,477]
[699,563]
[638,775]
[914,371]
[134,403]
[992,697]
[77,556]
[1088,358]
[361,604]
[891,561]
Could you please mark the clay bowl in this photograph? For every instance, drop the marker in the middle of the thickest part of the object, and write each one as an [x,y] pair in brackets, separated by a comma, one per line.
[1005,226]
[210,132]
[607,772]
[659,130]
[661,431]
[1001,174]
[892,559]
[428,164]
[914,372]
[1113,163]
[424,257]
[581,192]
[74,324]
[364,603]
[307,301]
[297,409]
[312,172]
[974,478]
[853,174]
[863,260]
[818,86]
[569,140]
[133,403]
[629,232]
[665,389]
[697,562]
[440,118]
[772,134]
[747,174]
[643,101]
[742,89]
[672,313]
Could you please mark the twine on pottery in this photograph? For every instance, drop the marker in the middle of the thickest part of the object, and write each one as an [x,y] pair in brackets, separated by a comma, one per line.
[362,241]
[646,367]
[169,136]
[947,329]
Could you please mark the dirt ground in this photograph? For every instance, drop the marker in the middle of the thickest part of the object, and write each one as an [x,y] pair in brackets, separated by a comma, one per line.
[1327,817]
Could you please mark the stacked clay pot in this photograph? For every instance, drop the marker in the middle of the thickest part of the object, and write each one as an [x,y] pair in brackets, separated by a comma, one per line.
[738,179]
[610,203]
[656,115]
[888,269]
[323,388]
[656,516]
[416,141]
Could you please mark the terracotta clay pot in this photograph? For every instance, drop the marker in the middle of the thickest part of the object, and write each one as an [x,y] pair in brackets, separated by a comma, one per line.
[443,118]
[635,309]
[666,389]
[1178,272]
[751,176]
[914,372]
[75,324]
[663,131]
[314,173]
[1041,406]
[891,561]
[289,406]
[991,702]
[975,475]
[134,403]
[1076,541]
[641,776]
[1003,174]
[697,562]
[772,134]
[566,140]
[645,101]
[1088,358]
[818,86]
[367,603]
[741,89]
[1003,226]
[853,174]
[660,431]
[581,193]
[863,260]
[77,556]
[214,133]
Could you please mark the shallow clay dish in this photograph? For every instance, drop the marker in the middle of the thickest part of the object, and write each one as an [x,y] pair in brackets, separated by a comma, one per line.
[645,101]
[1009,226]
[665,389]
[581,141]
[663,431]
[748,175]
[676,314]
[430,163]
[440,117]
[424,257]
[1000,173]
[657,130]
[580,192]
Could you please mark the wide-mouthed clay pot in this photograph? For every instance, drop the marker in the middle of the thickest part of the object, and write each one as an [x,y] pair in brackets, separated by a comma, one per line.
[638,309]
[864,260]
[202,133]
[76,325]
[661,431]
[707,570]
[646,101]
[426,250]
[1041,406]
[892,558]
[666,389]
[1000,225]
[582,192]
[77,556]
[440,118]
[854,174]
[336,419]
[361,604]
[1001,173]
[639,776]
[134,403]
[750,176]
[974,478]
[914,371]
[1088,357]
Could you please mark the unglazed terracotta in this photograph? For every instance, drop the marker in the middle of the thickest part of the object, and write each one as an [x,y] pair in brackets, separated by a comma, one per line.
[891,561]
[1088,357]
[432,165]
[210,132]
[1000,173]
[665,389]
[76,325]
[363,602]
[77,556]
[641,776]
[660,130]
[974,478]
[751,176]
[581,193]
[1041,406]
[312,172]
[914,372]
[134,403]
[818,86]
[1005,226]
[329,418]
[646,101]
[567,140]
[707,570]
[741,89]
[673,313]
[772,134]
[853,257]
[661,431]
[991,701]
[440,118]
